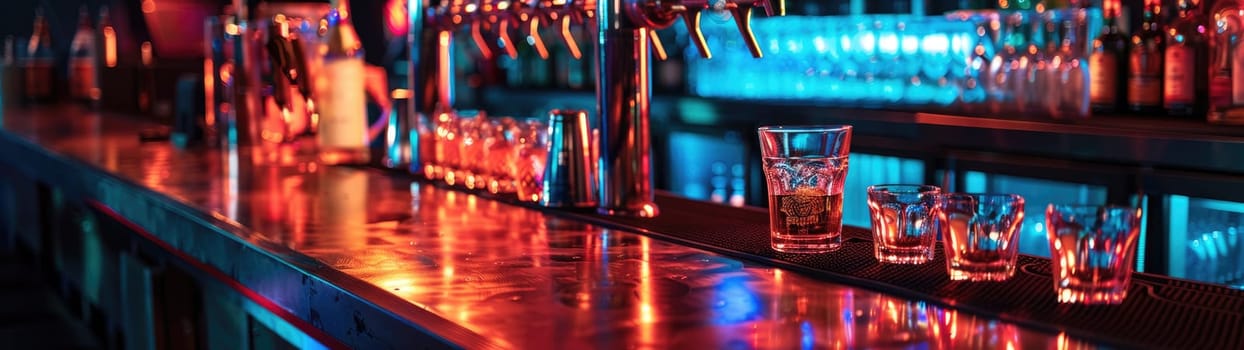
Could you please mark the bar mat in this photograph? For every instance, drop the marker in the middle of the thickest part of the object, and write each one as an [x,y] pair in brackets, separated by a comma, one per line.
[1159,312]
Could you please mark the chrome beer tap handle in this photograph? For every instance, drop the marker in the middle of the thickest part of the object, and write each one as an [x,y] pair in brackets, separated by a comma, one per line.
[484,10]
[691,17]
[566,13]
[477,35]
[510,15]
[742,13]
[527,15]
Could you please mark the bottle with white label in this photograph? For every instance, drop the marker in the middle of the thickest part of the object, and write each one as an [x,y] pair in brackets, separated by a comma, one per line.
[1226,63]
[1186,79]
[1108,63]
[342,132]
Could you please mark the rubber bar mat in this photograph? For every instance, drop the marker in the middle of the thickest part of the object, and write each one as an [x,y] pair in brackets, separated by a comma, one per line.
[1158,313]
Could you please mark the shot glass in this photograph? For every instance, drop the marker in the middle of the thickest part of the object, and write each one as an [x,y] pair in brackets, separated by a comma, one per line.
[904,222]
[981,235]
[805,167]
[1093,249]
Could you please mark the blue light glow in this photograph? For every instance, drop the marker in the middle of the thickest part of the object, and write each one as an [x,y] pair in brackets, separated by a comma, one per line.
[888,43]
[793,46]
[735,302]
[867,42]
[934,44]
[821,45]
[862,58]
[911,44]
[807,337]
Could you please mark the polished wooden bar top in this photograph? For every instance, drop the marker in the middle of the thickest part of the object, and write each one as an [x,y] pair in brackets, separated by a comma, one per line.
[371,258]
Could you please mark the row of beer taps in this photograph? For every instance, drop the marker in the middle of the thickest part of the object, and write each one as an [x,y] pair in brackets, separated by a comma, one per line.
[500,18]
[623,47]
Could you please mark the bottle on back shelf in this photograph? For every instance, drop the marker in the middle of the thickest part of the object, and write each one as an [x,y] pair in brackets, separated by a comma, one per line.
[38,64]
[83,77]
[1072,68]
[106,40]
[1144,78]
[342,132]
[1226,63]
[1186,80]
[1108,63]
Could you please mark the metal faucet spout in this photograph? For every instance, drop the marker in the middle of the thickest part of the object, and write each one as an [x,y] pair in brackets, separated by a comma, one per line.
[623,89]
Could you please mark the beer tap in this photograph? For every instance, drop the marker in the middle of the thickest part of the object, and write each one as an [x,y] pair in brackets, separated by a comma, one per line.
[529,15]
[431,46]
[624,47]
[485,15]
[567,13]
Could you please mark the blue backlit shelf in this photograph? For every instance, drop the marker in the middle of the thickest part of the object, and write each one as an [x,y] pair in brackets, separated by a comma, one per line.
[1007,61]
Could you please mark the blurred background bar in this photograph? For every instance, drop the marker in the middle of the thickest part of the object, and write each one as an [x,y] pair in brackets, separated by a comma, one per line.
[974,95]
[1133,102]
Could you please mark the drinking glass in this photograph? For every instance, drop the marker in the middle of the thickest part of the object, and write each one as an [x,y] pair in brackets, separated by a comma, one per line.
[981,235]
[805,167]
[474,138]
[1093,249]
[499,151]
[446,153]
[531,153]
[904,222]
[464,162]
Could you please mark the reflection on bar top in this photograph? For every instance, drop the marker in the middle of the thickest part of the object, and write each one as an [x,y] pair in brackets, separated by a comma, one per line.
[519,277]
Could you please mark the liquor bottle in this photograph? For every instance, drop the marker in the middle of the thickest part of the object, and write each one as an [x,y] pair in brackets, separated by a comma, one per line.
[106,39]
[1144,78]
[1107,66]
[342,130]
[1226,63]
[83,77]
[38,63]
[1186,79]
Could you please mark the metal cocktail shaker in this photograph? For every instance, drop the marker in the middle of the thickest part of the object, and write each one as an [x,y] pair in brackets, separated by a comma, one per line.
[570,176]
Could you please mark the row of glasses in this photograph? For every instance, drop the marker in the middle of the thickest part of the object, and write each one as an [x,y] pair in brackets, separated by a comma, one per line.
[979,230]
[865,59]
[999,61]
[500,155]
[1093,247]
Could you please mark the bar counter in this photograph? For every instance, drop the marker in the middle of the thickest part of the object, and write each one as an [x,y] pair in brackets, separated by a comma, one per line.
[362,258]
